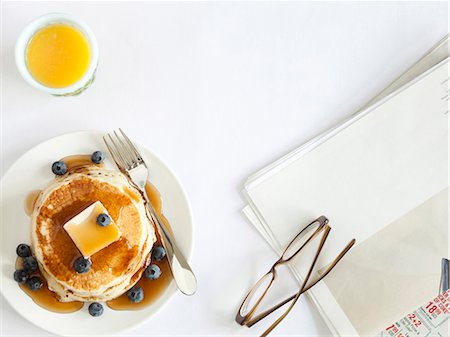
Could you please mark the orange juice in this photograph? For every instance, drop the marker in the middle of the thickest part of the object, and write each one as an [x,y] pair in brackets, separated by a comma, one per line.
[58,55]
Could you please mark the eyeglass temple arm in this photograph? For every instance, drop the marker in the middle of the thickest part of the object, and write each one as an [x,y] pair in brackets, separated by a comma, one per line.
[327,271]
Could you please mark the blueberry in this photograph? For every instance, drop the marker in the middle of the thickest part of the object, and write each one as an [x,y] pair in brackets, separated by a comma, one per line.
[103,219]
[20,276]
[158,253]
[152,272]
[59,168]
[82,265]
[23,250]
[135,294]
[95,309]
[35,283]
[30,264]
[97,157]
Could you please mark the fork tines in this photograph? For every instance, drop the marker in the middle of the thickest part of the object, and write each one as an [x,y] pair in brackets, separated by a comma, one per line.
[123,150]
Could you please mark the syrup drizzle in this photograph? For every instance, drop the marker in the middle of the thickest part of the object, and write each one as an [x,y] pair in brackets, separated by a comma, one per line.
[46,298]
[153,289]
[78,161]
[30,201]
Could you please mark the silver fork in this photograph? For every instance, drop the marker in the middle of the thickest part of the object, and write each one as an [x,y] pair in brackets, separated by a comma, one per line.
[130,162]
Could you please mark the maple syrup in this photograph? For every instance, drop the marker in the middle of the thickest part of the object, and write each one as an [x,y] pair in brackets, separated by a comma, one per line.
[153,289]
[30,201]
[156,200]
[46,298]
[73,162]
[78,161]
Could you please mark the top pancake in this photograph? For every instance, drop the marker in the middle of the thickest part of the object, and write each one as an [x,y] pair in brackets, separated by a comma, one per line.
[112,267]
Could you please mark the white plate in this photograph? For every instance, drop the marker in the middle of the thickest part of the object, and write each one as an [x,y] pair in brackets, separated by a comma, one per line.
[32,171]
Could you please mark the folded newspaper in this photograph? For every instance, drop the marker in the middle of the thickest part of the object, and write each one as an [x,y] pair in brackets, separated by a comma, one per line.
[431,319]
[382,177]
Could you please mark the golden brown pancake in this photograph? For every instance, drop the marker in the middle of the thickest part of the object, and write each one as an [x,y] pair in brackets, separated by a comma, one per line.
[115,268]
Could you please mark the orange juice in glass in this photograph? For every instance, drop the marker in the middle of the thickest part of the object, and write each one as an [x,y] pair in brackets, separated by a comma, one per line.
[58,54]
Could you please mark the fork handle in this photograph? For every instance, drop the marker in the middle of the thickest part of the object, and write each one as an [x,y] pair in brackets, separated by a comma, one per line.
[181,271]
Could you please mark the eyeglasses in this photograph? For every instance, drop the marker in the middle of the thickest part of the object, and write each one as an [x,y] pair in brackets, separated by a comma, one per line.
[248,311]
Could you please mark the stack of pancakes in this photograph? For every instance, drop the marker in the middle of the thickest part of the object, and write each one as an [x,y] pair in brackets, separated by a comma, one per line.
[115,268]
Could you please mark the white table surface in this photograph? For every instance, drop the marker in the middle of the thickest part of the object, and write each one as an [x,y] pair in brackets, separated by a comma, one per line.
[218,90]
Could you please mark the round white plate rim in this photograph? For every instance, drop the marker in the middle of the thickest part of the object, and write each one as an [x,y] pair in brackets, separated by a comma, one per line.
[170,292]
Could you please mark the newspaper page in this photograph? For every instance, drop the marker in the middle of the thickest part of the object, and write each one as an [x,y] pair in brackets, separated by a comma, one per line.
[430,320]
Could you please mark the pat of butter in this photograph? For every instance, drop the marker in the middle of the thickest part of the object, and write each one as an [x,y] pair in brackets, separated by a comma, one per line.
[88,236]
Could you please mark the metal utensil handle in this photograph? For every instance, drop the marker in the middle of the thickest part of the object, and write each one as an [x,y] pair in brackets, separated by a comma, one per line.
[182,273]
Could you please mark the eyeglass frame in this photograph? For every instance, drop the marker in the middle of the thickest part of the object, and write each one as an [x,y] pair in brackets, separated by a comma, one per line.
[248,319]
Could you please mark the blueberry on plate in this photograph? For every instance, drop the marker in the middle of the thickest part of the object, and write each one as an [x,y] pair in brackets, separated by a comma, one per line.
[152,272]
[95,309]
[103,219]
[97,157]
[30,264]
[158,253]
[23,250]
[35,283]
[82,265]
[20,276]
[135,294]
[59,168]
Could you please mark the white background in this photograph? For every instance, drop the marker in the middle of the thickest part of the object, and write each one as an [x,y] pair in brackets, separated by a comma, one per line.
[217,90]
